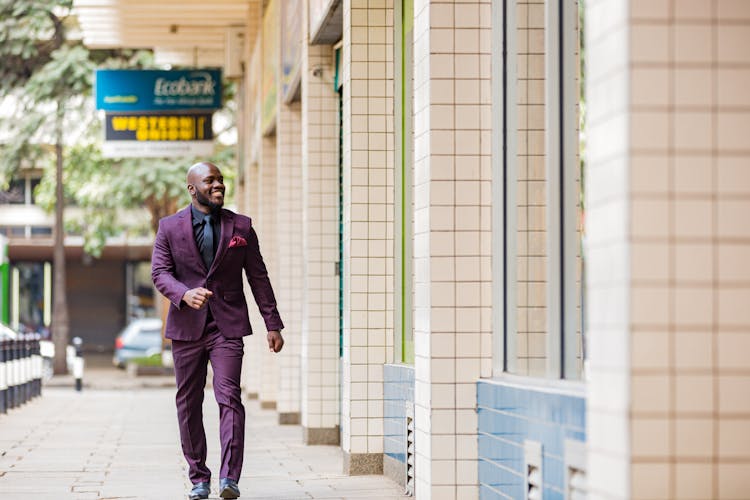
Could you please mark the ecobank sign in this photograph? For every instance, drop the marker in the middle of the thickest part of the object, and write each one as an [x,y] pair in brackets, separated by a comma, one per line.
[158,90]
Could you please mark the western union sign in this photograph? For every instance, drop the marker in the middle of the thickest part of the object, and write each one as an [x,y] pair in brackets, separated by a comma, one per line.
[158,127]
[157,134]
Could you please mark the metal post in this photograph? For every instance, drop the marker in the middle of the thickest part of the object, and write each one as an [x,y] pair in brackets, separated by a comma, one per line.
[13,374]
[3,376]
[25,368]
[36,366]
[78,363]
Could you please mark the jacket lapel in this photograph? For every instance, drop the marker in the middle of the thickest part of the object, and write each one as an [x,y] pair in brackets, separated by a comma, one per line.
[188,238]
[227,228]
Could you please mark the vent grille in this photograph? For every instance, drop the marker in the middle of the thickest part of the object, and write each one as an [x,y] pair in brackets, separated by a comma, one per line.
[534,478]
[575,470]
[533,482]
[410,458]
[576,484]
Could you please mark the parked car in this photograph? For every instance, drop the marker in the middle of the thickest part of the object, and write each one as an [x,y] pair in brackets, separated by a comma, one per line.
[141,338]
[46,349]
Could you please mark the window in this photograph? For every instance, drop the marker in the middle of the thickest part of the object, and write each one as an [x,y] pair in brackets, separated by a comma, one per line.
[16,193]
[537,211]
[404,206]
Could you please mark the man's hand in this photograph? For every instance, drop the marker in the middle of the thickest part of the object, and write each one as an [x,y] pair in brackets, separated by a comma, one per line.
[197,297]
[275,341]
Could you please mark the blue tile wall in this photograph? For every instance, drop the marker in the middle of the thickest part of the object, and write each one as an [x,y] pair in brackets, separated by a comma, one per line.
[508,415]
[398,388]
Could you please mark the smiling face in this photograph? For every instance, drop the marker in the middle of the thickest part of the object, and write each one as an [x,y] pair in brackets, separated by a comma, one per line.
[206,186]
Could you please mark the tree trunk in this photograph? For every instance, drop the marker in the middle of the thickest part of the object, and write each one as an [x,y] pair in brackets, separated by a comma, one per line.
[60,321]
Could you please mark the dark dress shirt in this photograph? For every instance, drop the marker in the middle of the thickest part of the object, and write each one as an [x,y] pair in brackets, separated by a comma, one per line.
[198,217]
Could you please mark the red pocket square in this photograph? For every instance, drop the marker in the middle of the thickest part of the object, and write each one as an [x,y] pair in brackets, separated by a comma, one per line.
[237,241]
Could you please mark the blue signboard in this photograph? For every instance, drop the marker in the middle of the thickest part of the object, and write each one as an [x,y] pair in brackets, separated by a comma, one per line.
[158,90]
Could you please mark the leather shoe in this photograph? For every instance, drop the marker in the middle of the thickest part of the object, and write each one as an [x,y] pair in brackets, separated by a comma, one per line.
[228,488]
[200,491]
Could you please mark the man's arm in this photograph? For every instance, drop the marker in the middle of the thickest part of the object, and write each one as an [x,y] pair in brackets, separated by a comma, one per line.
[162,270]
[257,276]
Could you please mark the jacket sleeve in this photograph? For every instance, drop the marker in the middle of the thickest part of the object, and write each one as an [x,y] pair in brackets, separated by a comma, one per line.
[162,270]
[257,276]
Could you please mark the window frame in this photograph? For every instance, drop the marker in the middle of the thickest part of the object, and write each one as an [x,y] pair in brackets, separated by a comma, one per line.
[561,148]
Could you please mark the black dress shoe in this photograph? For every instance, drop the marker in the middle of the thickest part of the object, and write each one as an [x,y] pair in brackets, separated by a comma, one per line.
[228,488]
[199,491]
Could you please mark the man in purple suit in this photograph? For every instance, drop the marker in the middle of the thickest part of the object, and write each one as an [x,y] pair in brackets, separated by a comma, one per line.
[197,263]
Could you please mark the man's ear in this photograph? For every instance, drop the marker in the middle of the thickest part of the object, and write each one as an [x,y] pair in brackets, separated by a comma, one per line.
[191,189]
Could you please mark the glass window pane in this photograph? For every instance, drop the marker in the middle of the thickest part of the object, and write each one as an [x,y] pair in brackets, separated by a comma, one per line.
[529,211]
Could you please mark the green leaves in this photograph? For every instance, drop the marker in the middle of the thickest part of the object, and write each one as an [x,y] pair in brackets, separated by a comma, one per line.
[48,80]
[30,31]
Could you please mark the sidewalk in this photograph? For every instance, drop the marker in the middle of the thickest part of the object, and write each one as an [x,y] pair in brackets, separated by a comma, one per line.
[124,444]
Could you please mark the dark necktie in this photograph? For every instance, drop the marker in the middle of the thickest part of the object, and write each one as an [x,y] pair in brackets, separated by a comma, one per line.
[207,243]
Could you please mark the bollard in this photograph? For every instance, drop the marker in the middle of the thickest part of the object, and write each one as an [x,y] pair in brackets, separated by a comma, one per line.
[35,364]
[12,374]
[21,380]
[40,364]
[78,363]
[25,368]
[18,382]
[3,376]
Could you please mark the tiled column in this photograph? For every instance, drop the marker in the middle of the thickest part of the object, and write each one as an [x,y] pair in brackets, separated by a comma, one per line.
[255,344]
[267,235]
[668,243]
[289,238]
[320,324]
[368,228]
[452,242]
[251,367]
[607,259]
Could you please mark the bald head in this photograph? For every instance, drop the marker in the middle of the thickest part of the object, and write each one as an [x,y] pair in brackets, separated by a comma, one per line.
[198,170]
[206,186]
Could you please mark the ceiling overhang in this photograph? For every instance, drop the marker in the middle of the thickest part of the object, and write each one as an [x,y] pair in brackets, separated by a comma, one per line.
[181,32]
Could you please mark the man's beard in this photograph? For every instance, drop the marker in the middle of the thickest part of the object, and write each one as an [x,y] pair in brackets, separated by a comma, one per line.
[208,203]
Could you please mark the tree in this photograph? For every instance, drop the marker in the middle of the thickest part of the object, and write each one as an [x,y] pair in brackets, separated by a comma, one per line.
[109,193]
[46,77]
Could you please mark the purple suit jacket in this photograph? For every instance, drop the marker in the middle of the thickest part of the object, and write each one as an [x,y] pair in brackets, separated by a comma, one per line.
[176,266]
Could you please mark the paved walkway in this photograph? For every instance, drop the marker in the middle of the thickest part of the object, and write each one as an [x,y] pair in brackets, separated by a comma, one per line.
[123,444]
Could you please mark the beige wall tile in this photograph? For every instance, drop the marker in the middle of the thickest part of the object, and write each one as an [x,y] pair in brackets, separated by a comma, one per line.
[692,43]
[694,393]
[734,396]
[734,481]
[693,350]
[648,44]
[733,10]
[692,10]
[733,310]
[694,262]
[650,481]
[649,350]
[734,439]
[694,481]
[649,9]
[732,41]
[650,394]
[650,438]
[732,83]
[733,350]
[694,438]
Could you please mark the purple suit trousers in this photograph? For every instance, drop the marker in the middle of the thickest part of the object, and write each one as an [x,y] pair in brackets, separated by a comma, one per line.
[197,338]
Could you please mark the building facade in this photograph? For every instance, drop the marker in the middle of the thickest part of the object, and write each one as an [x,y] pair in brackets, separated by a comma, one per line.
[509,240]
[103,294]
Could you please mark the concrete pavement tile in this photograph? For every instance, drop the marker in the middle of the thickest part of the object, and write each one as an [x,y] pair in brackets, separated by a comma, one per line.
[118,444]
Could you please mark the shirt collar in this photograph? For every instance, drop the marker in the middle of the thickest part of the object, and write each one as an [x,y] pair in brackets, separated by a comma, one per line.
[198,216]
